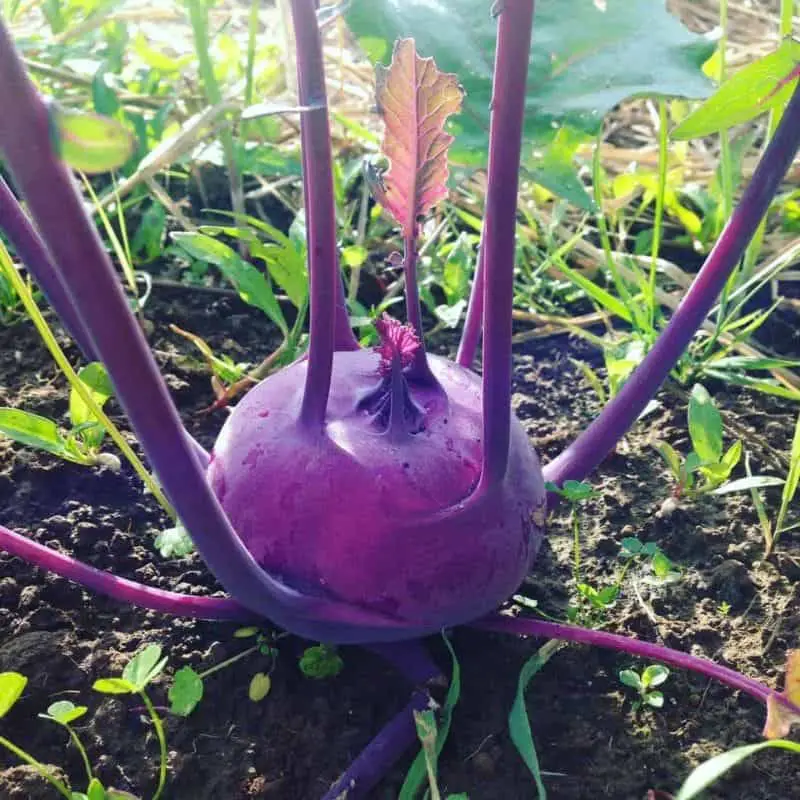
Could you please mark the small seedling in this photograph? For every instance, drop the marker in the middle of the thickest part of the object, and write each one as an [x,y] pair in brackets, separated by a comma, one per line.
[633,550]
[81,443]
[645,684]
[707,469]
[140,671]
[63,713]
[188,685]
[321,661]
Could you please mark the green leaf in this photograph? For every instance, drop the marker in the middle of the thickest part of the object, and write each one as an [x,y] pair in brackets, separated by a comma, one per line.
[578,71]
[246,633]
[705,425]
[662,566]
[12,685]
[354,256]
[519,726]
[751,91]
[745,484]
[90,143]
[96,380]
[630,678]
[95,791]
[654,699]
[114,686]
[186,692]
[710,771]
[593,379]
[144,667]
[64,712]
[631,545]
[35,431]
[321,662]
[792,479]
[554,169]
[415,777]
[732,457]
[252,286]
[670,455]
[260,684]
[577,491]
[654,676]
[600,296]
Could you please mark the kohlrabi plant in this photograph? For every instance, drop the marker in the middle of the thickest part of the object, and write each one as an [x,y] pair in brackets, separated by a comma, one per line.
[363,496]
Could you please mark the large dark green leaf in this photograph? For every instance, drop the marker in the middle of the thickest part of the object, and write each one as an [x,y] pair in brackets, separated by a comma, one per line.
[584,60]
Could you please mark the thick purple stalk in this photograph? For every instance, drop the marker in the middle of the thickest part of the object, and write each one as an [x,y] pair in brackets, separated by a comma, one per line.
[379,755]
[179,605]
[592,446]
[98,299]
[323,264]
[498,242]
[468,345]
[30,248]
[520,626]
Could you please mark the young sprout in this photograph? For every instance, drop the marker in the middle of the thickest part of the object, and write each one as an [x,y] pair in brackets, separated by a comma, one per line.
[138,674]
[706,469]
[645,684]
[12,685]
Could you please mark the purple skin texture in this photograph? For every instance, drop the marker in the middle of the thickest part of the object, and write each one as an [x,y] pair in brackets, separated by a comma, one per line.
[371,516]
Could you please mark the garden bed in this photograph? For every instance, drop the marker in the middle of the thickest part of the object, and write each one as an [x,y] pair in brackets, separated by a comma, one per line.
[729,604]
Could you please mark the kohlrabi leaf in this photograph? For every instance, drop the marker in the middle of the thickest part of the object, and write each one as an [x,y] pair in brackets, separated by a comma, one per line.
[755,89]
[780,718]
[414,99]
[586,57]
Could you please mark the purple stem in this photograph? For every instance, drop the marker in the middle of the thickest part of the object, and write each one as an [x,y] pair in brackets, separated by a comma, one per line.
[592,446]
[98,299]
[323,264]
[378,756]
[505,145]
[179,605]
[419,369]
[411,658]
[468,345]
[569,633]
[32,252]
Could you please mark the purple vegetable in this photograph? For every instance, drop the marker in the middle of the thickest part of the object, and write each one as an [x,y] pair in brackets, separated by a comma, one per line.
[355,496]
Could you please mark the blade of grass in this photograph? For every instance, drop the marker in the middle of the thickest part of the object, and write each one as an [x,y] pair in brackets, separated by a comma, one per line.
[519,725]
[417,774]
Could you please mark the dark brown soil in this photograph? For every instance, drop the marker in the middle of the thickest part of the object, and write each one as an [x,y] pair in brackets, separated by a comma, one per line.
[303,735]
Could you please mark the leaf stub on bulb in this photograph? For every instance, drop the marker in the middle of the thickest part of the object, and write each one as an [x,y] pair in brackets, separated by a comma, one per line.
[390,404]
